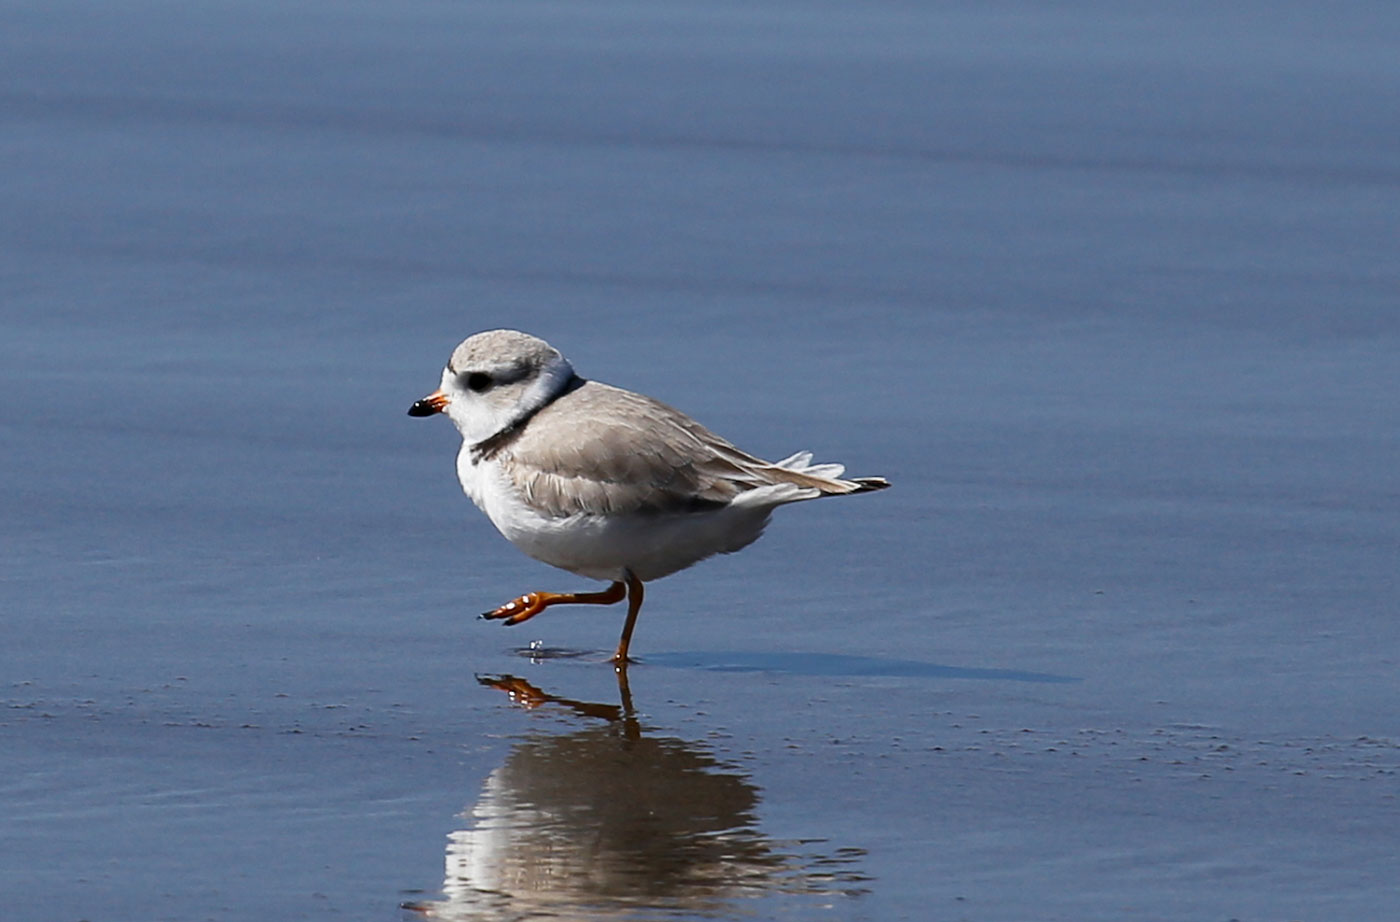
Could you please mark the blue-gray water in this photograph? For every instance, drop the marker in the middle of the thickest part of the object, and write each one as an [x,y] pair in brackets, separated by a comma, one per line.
[1109,291]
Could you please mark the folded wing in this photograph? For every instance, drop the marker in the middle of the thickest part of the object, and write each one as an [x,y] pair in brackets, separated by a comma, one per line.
[600,450]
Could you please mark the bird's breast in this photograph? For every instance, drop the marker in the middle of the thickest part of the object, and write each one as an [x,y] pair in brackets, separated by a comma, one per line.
[476,477]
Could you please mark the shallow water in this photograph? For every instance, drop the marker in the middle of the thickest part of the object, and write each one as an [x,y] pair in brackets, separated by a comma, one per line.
[1107,291]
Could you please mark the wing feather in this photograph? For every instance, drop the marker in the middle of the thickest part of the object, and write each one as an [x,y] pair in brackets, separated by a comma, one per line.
[601,450]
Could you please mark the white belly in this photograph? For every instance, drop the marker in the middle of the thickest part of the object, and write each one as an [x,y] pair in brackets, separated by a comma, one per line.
[602,547]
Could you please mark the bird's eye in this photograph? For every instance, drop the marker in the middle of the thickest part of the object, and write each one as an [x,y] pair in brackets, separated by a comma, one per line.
[478,381]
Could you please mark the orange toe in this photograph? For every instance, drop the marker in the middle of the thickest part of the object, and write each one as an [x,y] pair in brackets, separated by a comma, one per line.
[518,609]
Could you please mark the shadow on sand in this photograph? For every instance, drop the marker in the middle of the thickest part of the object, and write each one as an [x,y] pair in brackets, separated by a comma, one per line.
[837,664]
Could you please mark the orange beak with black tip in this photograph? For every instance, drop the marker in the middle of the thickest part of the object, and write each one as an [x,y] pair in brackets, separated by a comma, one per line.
[435,402]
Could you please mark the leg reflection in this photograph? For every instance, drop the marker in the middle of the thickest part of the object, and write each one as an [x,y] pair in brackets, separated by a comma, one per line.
[612,817]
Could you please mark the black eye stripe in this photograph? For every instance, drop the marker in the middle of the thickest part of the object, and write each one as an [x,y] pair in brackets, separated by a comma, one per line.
[480,381]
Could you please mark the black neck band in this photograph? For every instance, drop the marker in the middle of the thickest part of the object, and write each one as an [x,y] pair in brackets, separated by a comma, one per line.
[490,446]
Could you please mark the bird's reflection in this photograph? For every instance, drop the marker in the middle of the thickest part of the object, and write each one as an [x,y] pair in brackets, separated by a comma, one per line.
[608,820]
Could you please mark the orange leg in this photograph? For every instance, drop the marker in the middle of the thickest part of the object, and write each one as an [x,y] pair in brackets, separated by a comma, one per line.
[532,603]
[634,605]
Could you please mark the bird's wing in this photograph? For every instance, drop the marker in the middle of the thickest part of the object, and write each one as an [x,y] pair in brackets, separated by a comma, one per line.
[601,450]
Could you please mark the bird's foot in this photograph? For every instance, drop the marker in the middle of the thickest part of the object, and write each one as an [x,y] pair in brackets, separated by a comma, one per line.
[532,603]
[519,609]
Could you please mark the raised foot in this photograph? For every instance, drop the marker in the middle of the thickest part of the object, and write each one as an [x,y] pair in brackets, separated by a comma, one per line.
[532,603]
[518,609]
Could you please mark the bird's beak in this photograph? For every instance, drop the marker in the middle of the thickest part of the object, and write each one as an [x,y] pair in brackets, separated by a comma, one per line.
[435,402]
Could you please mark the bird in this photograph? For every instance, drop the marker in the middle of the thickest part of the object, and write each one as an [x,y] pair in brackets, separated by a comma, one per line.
[603,482]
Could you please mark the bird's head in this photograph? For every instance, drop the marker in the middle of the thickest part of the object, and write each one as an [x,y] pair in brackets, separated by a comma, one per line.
[495,380]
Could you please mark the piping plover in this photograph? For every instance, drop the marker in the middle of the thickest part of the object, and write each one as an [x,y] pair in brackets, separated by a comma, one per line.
[600,481]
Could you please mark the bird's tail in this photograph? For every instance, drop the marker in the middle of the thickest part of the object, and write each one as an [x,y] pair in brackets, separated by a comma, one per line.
[826,479]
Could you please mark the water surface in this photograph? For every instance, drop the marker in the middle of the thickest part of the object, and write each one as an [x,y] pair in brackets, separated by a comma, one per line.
[1106,290]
